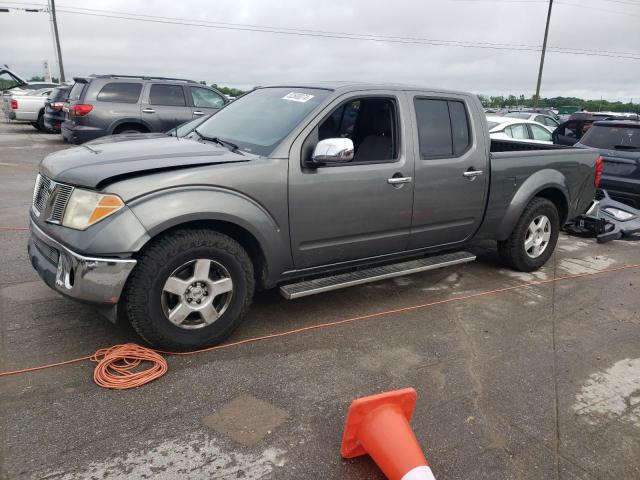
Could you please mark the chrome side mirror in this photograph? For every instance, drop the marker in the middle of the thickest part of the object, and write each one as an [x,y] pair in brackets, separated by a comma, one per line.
[333,150]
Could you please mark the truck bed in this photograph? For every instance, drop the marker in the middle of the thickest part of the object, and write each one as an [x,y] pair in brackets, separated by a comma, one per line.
[511,182]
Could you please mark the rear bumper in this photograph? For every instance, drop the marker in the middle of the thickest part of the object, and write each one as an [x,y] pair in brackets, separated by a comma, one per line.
[53,121]
[90,279]
[79,133]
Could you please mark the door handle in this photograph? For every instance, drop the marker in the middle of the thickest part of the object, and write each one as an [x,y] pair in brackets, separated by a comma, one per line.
[472,174]
[198,112]
[149,110]
[399,180]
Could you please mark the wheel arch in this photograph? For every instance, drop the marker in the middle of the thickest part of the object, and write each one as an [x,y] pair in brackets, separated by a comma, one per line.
[549,184]
[132,121]
[229,212]
[244,237]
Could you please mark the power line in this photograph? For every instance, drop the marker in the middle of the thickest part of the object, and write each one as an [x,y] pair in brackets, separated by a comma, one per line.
[343,35]
[335,35]
[587,7]
[576,5]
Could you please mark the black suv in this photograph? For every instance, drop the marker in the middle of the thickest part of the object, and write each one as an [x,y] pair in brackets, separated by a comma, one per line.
[618,141]
[111,104]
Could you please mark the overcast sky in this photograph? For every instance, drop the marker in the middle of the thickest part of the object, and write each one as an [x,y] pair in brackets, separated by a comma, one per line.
[243,58]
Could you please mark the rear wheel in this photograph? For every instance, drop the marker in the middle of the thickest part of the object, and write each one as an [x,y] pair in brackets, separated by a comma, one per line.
[534,237]
[128,129]
[41,126]
[189,289]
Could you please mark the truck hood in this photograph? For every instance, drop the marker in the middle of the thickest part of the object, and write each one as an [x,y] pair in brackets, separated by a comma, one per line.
[95,165]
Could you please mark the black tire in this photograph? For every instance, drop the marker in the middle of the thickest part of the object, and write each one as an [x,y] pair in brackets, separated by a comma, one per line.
[143,296]
[41,126]
[512,251]
[129,130]
[36,125]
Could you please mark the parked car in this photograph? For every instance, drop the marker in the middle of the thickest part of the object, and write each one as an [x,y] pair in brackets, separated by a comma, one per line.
[294,186]
[516,129]
[543,119]
[544,111]
[571,131]
[53,108]
[114,104]
[29,108]
[618,141]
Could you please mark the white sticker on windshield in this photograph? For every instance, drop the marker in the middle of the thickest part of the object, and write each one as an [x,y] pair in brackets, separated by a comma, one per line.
[298,97]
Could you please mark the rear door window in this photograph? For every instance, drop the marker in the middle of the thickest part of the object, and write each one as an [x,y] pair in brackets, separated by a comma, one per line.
[443,128]
[120,92]
[519,131]
[205,98]
[459,127]
[170,95]
[540,133]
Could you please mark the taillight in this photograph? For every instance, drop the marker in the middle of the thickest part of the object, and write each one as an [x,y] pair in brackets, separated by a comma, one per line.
[14,104]
[598,177]
[57,106]
[80,110]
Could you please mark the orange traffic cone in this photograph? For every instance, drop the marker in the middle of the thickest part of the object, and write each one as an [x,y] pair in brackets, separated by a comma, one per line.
[379,425]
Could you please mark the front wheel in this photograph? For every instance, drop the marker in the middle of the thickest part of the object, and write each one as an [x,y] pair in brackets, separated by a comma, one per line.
[190,289]
[534,237]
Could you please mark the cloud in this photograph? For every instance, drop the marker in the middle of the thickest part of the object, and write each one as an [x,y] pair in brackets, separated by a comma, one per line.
[242,58]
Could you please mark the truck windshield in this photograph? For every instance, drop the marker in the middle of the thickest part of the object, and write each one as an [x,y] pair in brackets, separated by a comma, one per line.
[259,121]
[612,137]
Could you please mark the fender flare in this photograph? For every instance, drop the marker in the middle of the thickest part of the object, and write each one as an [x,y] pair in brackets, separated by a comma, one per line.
[541,180]
[116,123]
[163,210]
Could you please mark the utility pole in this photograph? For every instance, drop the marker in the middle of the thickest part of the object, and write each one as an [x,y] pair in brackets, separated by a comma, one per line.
[544,49]
[52,10]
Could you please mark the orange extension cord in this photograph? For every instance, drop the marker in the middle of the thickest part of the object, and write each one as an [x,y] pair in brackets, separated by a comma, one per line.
[116,365]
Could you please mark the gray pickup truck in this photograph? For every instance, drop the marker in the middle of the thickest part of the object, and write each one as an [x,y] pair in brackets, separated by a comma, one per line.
[306,187]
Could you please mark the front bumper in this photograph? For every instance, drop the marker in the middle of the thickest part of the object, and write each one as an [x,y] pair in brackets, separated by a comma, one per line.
[89,279]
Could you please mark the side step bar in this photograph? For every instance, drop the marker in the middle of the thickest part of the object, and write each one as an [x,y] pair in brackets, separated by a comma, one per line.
[358,277]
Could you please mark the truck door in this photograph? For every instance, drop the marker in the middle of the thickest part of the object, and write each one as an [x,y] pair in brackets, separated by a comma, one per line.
[452,169]
[352,210]
[166,107]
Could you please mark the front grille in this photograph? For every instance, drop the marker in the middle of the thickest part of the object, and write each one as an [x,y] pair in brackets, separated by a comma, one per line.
[63,192]
[49,193]
[48,251]
[41,193]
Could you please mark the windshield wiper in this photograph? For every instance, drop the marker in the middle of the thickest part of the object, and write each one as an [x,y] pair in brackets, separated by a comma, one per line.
[625,147]
[225,143]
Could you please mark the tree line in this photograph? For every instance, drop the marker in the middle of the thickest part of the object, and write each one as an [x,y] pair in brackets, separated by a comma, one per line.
[589,105]
[486,100]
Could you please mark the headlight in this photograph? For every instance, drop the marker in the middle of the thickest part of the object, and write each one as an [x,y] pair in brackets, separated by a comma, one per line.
[618,214]
[85,208]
